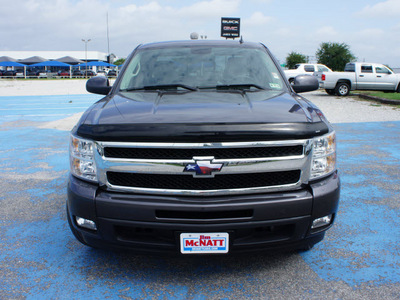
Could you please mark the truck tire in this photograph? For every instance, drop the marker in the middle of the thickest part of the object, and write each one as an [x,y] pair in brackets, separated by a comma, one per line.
[342,89]
[330,92]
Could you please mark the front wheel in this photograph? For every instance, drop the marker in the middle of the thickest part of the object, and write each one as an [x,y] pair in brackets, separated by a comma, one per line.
[342,89]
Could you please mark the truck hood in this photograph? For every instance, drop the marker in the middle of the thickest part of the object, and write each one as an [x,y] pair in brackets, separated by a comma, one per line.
[137,115]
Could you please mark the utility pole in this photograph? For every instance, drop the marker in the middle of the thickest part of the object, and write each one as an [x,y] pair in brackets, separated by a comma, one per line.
[108,38]
[86,42]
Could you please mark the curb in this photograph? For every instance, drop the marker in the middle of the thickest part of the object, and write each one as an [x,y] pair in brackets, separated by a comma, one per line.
[381,100]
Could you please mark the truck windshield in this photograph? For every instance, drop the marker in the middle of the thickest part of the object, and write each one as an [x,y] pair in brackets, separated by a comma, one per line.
[201,67]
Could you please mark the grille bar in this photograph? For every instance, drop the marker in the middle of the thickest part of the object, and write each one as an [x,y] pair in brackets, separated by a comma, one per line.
[217,153]
[188,182]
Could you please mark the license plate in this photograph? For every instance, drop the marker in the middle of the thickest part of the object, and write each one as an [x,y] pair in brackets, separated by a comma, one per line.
[203,243]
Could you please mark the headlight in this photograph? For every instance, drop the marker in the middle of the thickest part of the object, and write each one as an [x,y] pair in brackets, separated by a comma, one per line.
[324,155]
[81,156]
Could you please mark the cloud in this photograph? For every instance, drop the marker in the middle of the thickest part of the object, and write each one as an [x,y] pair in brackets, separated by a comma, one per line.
[326,32]
[152,7]
[387,9]
[261,1]
[256,19]
[207,9]
[61,24]
[371,33]
[169,23]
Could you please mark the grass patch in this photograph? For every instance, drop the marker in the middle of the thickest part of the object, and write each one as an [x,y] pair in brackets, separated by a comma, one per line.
[391,96]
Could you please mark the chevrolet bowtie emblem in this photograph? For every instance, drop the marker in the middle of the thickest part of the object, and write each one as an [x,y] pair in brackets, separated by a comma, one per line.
[203,168]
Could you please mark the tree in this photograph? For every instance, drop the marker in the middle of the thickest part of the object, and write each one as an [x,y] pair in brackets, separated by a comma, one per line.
[119,61]
[334,55]
[294,58]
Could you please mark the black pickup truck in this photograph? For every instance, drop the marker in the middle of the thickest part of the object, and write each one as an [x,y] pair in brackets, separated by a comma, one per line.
[202,147]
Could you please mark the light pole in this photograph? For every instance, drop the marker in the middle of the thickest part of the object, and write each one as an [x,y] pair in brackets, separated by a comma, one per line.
[86,42]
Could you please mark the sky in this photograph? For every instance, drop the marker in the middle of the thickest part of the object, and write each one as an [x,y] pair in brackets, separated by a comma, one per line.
[371,28]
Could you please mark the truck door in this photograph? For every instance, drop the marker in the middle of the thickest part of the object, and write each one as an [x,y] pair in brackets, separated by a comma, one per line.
[366,78]
[385,79]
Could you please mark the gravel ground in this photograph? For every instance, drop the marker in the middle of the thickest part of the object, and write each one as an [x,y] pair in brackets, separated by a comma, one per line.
[352,109]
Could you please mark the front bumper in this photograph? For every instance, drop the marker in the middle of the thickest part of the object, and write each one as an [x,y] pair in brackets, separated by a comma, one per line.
[152,223]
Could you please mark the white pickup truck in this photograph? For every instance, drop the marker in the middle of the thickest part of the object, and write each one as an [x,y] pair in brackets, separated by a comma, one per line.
[359,76]
[304,69]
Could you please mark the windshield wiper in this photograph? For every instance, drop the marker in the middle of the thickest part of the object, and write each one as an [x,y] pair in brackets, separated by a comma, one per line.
[241,86]
[161,87]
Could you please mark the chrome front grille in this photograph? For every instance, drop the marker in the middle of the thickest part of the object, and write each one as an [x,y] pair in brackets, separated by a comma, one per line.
[218,182]
[160,168]
[217,153]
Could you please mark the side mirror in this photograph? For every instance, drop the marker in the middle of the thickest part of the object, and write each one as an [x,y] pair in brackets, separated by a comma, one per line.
[305,83]
[98,85]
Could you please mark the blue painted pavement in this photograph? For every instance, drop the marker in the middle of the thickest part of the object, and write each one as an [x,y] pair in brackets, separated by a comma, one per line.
[365,243]
[40,259]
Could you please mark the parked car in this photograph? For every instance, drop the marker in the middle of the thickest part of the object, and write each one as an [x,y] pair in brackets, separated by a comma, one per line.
[202,147]
[9,73]
[302,69]
[112,73]
[45,73]
[77,73]
[88,73]
[31,73]
[359,76]
[63,73]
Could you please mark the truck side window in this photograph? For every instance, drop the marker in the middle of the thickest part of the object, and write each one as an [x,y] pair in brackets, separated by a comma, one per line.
[350,68]
[366,69]
[382,70]
[309,68]
[322,69]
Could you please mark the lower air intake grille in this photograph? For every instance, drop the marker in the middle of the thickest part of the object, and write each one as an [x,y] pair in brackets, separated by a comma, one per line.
[187,182]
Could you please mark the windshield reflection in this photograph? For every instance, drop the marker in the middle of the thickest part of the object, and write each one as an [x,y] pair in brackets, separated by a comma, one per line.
[201,67]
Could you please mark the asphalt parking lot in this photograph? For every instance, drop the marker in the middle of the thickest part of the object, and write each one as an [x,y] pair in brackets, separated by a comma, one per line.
[40,258]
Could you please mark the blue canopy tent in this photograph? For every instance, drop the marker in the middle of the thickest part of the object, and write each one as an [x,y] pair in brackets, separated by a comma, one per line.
[96,64]
[53,63]
[50,63]
[13,64]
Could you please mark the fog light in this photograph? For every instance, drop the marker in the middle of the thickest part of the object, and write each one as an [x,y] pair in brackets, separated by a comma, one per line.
[320,222]
[85,223]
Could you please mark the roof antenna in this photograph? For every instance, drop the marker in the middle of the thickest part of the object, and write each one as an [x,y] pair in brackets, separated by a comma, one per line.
[241,39]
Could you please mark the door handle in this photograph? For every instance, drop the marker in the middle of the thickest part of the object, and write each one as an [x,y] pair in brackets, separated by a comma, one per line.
[361,75]
[379,76]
